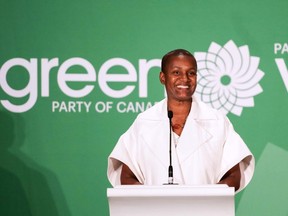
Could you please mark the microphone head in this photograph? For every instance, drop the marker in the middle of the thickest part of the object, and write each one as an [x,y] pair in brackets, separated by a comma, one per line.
[170,114]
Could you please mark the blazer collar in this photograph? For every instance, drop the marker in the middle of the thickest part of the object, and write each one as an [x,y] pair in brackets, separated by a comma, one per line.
[194,133]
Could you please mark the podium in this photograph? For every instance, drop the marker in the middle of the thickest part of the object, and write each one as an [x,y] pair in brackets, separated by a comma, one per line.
[168,200]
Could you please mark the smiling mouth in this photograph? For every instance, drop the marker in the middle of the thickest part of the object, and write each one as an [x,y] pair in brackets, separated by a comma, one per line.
[183,86]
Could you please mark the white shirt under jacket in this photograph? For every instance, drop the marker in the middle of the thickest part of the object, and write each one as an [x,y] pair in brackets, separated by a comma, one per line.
[207,148]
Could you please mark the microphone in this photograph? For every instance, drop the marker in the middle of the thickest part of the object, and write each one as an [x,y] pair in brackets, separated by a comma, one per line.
[170,168]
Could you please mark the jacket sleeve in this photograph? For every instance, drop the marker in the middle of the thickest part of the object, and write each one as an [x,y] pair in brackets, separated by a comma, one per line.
[124,152]
[236,151]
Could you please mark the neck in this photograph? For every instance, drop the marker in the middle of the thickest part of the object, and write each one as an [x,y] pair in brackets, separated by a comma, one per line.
[180,108]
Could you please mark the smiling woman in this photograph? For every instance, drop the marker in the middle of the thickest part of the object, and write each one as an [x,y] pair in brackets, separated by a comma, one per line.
[208,151]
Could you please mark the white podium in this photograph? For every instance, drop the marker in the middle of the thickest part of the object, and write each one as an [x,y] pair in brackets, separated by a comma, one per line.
[171,200]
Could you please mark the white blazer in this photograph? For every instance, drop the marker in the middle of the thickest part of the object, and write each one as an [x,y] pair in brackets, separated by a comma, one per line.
[207,148]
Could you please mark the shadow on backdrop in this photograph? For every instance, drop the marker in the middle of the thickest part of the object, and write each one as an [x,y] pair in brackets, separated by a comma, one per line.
[13,200]
[26,188]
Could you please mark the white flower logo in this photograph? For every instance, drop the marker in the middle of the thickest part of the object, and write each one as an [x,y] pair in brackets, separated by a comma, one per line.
[228,77]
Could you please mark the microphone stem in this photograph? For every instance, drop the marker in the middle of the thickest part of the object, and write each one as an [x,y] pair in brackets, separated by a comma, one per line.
[170,169]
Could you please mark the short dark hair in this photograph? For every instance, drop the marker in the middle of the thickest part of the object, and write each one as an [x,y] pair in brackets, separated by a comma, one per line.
[176,52]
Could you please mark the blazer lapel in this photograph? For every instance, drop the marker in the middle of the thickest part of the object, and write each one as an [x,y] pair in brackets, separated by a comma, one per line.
[157,134]
[194,133]
[193,136]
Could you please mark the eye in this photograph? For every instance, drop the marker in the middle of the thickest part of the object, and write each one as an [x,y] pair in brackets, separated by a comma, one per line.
[192,73]
[176,72]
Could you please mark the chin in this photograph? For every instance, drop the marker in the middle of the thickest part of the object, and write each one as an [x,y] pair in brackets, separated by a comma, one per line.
[182,99]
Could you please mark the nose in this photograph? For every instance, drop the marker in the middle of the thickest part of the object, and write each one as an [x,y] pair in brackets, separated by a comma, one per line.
[185,77]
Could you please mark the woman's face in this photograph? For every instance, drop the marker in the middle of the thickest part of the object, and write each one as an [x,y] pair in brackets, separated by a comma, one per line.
[180,77]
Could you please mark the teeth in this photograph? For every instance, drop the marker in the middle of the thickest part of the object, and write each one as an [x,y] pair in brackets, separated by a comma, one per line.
[182,86]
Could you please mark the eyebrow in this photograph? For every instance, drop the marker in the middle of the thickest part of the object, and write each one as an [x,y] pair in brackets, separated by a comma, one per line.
[193,68]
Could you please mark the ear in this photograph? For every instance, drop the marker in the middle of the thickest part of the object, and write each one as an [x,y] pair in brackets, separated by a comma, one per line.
[162,77]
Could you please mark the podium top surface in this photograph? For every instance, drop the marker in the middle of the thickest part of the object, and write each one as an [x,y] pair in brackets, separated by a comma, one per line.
[170,190]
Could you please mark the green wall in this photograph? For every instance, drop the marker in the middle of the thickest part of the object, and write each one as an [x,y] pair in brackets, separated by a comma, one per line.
[57,129]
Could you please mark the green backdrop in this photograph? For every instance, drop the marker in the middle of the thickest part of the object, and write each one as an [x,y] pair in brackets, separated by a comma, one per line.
[74,75]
